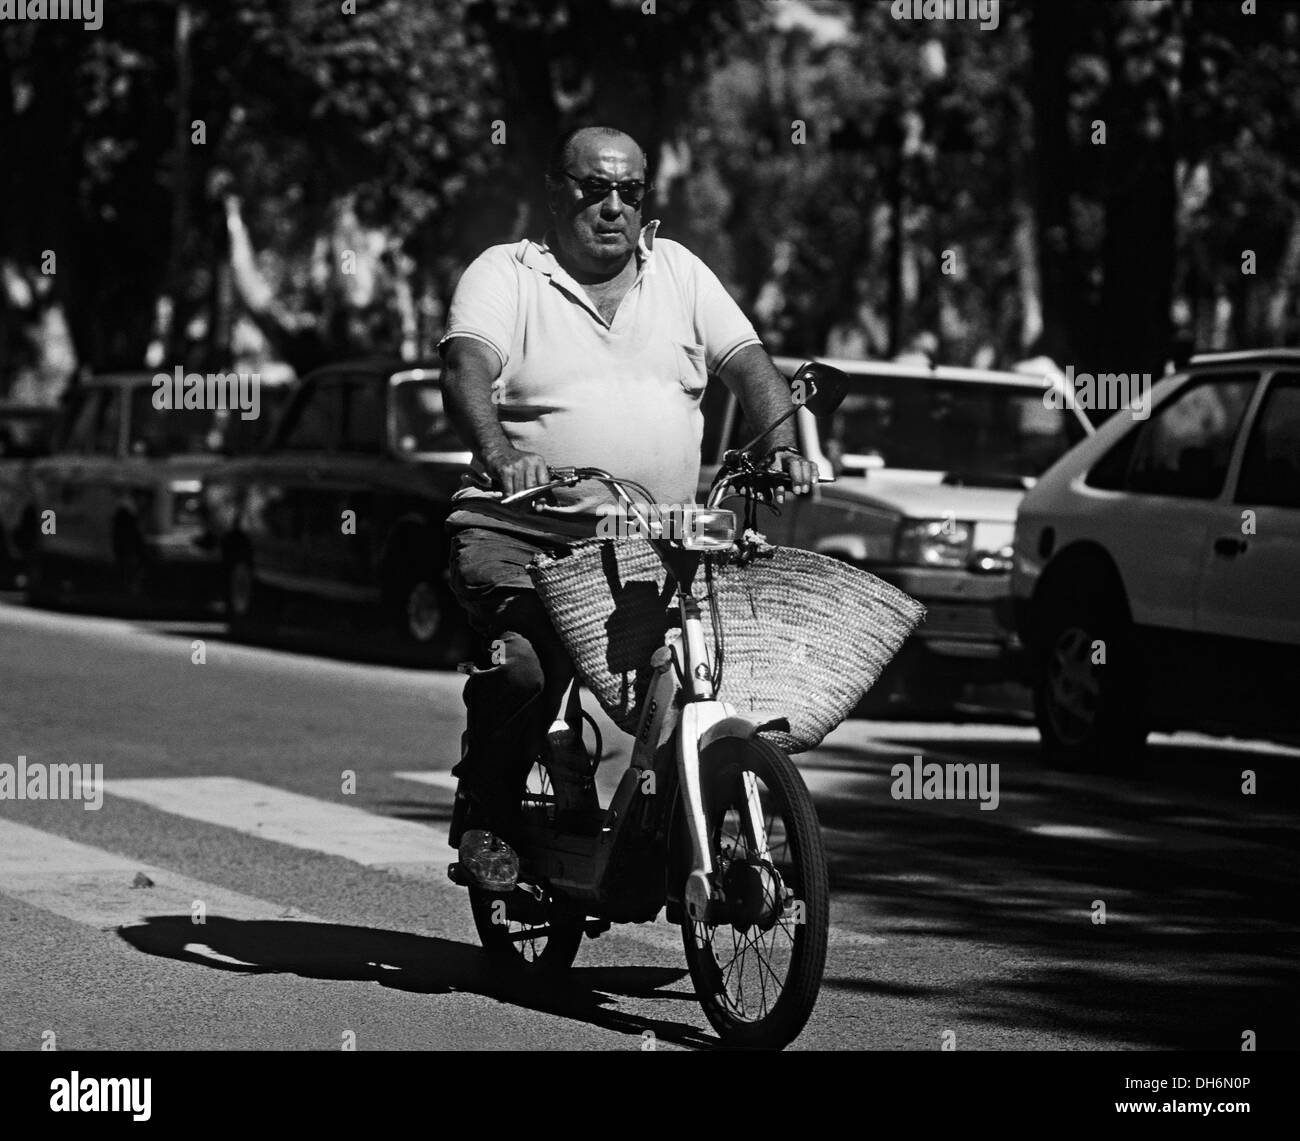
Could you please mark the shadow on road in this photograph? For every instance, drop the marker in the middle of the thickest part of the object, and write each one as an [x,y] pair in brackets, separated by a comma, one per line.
[418,963]
[1199,883]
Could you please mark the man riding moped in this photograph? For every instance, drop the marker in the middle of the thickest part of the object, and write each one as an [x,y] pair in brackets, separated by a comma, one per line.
[591,347]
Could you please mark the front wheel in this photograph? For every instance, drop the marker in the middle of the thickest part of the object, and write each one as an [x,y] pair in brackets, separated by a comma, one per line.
[758,970]
[44,585]
[252,607]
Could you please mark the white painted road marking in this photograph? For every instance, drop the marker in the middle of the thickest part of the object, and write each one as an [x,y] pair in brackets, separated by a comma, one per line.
[93,886]
[437,779]
[288,818]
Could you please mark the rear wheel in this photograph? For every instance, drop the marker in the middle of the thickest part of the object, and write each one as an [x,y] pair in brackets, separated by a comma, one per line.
[538,936]
[421,614]
[1088,686]
[758,970]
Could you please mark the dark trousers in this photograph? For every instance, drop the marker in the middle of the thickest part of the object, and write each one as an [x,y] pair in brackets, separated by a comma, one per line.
[518,678]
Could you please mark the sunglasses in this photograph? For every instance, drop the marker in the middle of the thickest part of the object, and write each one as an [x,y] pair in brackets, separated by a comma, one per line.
[599,188]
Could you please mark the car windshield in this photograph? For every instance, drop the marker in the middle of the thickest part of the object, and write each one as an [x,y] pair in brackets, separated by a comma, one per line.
[178,431]
[992,433]
[421,421]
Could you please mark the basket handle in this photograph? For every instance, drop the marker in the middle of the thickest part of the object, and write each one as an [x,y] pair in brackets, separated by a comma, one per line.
[609,564]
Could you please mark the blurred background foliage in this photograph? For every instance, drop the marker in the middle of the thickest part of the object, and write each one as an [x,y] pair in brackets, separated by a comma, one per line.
[279,182]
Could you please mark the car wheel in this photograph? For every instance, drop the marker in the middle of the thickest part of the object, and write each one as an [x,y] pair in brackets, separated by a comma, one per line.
[44,587]
[252,607]
[421,618]
[130,564]
[9,564]
[1089,691]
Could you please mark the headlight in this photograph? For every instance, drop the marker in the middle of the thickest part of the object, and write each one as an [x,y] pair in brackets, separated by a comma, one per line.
[708,529]
[934,542]
[993,562]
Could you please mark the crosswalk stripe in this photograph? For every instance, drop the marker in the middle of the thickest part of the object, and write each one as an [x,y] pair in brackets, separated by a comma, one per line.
[288,818]
[437,779]
[99,888]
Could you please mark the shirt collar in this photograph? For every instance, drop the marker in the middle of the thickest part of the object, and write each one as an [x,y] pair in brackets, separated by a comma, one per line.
[541,255]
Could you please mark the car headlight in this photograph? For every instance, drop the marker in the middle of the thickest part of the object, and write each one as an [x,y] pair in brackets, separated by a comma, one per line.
[934,542]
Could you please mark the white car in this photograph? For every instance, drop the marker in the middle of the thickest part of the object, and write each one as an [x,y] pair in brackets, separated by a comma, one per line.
[1156,575]
[930,464]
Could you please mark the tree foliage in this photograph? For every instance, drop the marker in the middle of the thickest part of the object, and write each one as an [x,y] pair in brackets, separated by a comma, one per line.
[859,181]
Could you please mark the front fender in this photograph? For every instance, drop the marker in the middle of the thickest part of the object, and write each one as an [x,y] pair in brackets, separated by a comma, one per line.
[743,727]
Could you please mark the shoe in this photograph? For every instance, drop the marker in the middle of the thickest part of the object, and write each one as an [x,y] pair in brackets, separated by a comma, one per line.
[489,861]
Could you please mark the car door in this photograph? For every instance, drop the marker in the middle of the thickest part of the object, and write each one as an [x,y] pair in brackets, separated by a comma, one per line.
[1158,491]
[1250,582]
[101,484]
[344,554]
[63,486]
[283,505]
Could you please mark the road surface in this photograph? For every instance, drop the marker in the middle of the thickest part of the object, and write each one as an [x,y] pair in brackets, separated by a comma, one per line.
[327,912]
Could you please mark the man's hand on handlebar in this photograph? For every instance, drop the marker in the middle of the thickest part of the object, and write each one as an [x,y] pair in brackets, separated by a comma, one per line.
[802,474]
[513,471]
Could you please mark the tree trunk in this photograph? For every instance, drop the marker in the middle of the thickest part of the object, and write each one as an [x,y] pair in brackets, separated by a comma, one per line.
[1051,40]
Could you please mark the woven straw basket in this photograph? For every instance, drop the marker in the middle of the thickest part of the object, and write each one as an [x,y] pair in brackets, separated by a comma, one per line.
[804,636]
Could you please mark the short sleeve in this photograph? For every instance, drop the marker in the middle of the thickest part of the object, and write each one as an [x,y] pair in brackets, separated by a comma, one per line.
[720,325]
[486,302]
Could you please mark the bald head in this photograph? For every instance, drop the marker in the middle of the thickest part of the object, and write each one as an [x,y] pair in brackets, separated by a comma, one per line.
[579,143]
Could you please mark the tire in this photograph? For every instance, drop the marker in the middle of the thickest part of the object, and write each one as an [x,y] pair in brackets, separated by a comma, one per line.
[1090,714]
[10,562]
[131,570]
[795,965]
[252,608]
[43,587]
[505,921]
[421,618]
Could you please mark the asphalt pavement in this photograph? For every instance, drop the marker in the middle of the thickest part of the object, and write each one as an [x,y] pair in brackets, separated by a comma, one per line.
[295,800]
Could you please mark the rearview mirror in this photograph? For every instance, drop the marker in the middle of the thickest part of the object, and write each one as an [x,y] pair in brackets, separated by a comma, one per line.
[819,388]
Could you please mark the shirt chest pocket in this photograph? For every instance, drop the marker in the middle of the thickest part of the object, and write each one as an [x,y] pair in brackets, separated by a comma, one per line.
[692,368]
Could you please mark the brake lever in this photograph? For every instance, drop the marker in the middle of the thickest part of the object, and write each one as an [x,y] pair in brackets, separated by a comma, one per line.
[560,477]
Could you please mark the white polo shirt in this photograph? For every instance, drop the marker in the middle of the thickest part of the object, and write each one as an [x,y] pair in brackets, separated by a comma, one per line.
[580,392]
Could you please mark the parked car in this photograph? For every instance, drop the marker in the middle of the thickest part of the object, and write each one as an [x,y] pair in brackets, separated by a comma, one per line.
[124,484]
[346,504]
[26,431]
[1156,566]
[930,465]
